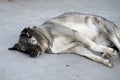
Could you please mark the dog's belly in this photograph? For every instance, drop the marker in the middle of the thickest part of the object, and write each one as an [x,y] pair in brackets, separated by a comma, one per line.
[89,31]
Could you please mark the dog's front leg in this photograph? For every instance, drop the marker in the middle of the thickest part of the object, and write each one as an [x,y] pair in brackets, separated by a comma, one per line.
[116,41]
[64,48]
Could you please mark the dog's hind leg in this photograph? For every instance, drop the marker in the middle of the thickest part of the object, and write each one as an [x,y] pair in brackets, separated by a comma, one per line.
[98,48]
[115,41]
[80,50]
[116,46]
[104,49]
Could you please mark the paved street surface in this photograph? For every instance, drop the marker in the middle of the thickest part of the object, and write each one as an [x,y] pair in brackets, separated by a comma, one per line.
[18,14]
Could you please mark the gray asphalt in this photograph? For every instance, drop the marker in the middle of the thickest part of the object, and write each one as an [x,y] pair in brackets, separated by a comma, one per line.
[18,14]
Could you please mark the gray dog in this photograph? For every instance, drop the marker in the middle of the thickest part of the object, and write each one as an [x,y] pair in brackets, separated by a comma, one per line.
[72,33]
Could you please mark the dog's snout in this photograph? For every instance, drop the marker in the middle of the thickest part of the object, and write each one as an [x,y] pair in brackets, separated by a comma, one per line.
[35,54]
[34,51]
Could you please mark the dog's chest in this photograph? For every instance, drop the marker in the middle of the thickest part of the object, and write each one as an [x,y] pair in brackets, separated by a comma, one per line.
[59,44]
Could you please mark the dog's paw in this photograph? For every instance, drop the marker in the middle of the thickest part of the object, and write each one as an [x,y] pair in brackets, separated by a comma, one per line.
[114,53]
[106,56]
[108,63]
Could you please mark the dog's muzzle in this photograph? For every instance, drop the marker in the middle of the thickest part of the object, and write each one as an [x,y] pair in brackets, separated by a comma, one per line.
[34,51]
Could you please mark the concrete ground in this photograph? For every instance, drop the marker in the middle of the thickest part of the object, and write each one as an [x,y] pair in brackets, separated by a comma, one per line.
[18,14]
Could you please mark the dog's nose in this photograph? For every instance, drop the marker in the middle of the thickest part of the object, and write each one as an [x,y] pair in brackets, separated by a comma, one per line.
[33,54]
[35,51]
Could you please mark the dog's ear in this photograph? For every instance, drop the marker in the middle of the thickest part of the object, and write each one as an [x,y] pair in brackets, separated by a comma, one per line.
[15,47]
[26,32]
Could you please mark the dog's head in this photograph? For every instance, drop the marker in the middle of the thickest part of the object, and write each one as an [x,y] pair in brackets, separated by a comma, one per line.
[27,43]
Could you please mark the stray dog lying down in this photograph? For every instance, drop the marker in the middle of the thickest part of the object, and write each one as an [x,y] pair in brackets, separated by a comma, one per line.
[72,32]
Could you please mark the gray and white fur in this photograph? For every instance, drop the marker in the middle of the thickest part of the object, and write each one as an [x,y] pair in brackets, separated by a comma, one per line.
[77,33]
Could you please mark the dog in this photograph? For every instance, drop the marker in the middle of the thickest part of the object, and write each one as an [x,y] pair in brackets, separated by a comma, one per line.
[72,32]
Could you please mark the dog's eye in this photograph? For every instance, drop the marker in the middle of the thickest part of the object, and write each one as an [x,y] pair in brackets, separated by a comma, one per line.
[22,35]
[25,34]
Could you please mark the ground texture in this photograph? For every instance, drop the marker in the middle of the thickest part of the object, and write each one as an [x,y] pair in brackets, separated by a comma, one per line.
[18,14]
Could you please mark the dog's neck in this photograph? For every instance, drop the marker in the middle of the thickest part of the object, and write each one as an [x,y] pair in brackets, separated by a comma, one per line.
[43,37]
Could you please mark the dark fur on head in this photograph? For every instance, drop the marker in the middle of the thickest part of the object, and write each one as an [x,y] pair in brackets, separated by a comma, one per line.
[27,32]
[27,43]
